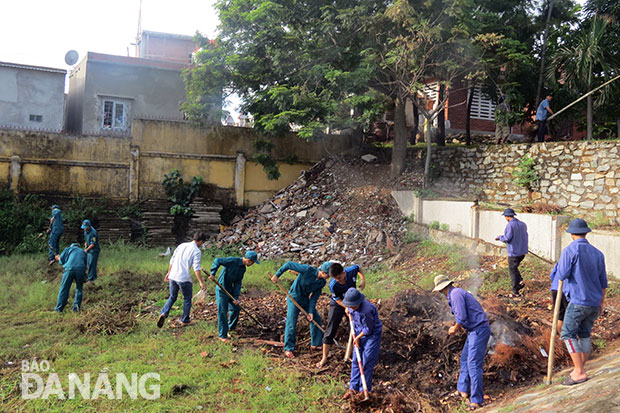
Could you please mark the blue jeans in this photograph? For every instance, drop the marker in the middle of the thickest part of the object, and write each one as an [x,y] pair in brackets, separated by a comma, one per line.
[187,290]
[91,263]
[227,313]
[369,350]
[472,362]
[290,329]
[78,275]
[578,322]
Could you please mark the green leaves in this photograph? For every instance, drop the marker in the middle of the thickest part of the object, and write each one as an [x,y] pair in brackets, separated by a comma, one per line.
[180,193]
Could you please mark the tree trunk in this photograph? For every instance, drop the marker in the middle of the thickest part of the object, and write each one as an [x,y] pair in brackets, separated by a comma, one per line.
[589,116]
[429,148]
[542,56]
[416,125]
[618,127]
[470,101]
[441,120]
[399,150]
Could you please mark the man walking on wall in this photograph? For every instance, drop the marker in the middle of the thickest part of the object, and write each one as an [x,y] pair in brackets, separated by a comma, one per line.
[515,237]
[582,267]
[185,256]
[55,232]
[92,249]
[541,117]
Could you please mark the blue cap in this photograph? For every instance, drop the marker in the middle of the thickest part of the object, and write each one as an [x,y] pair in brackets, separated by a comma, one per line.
[509,212]
[252,256]
[325,266]
[85,224]
[578,226]
[353,297]
[55,206]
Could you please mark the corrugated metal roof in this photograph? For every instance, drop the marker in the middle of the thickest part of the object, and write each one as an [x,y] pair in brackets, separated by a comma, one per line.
[29,67]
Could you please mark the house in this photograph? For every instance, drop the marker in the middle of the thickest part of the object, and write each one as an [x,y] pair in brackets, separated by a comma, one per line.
[106,92]
[170,47]
[31,97]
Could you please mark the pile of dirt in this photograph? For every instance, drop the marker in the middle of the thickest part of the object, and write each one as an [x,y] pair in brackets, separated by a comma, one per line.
[105,318]
[339,209]
[419,362]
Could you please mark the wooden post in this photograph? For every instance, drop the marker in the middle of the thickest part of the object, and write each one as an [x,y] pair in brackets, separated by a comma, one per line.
[554,329]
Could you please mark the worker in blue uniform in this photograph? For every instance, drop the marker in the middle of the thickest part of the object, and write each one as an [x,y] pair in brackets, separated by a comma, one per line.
[55,232]
[92,249]
[471,317]
[306,290]
[230,278]
[73,260]
[368,329]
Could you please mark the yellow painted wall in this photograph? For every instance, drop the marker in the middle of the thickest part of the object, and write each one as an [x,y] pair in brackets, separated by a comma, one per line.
[4,174]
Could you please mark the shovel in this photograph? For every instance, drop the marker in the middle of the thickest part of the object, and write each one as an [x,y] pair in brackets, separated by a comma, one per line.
[234,299]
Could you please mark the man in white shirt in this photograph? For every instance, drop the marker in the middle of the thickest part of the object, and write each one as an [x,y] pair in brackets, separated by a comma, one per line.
[185,256]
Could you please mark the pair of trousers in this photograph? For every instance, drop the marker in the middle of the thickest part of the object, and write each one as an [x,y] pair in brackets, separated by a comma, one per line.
[369,351]
[290,330]
[577,326]
[227,313]
[91,263]
[78,275]
[54,244]
[515,274]
[472,363]
[542,130]
[187,290]
[334,317]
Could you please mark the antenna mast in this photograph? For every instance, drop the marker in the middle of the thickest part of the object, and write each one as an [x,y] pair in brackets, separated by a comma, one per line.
[139,33]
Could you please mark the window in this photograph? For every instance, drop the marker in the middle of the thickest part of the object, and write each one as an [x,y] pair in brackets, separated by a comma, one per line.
[36,118]
[114,115]
[482,107]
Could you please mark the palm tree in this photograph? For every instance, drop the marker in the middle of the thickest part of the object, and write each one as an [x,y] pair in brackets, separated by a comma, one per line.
[584,63]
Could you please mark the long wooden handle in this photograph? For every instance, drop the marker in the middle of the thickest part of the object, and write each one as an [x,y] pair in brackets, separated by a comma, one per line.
[349,350]
[234,299]
[297,304]
[359,360]
[556,315]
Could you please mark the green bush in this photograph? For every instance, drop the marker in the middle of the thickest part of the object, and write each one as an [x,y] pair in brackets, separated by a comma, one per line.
[22,221]
[444,227]
[434,225]
[180,193]
[82,208]
[524,174]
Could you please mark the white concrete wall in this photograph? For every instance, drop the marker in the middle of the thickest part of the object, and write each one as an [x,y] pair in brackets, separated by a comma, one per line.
[457,214]
[546,236]
[607,242]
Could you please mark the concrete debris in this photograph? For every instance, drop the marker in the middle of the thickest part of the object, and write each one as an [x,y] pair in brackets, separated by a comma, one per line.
[330,212]
[369,158]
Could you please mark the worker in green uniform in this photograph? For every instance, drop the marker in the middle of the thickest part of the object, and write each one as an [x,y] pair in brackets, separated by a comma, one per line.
[230,278]
[55,232]
[73,259]
[92,249]
[306,290]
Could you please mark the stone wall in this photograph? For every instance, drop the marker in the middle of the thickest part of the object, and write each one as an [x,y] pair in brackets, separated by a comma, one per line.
[582,178]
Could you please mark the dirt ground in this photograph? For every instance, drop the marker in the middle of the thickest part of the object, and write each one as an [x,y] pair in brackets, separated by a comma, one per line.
[419,362]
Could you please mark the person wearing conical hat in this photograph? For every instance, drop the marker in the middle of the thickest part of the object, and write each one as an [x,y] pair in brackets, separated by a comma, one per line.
[469,317]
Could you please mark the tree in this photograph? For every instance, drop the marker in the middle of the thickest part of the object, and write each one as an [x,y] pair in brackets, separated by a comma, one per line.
[584,63]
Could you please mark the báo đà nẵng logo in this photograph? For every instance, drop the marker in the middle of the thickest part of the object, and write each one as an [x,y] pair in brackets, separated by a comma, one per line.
[38,382]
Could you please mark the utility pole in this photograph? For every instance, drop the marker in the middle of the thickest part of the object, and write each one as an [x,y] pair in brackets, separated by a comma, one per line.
[542,55]
[139,33]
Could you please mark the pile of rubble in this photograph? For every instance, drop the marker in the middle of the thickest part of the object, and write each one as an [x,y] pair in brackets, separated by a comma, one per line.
[333,211]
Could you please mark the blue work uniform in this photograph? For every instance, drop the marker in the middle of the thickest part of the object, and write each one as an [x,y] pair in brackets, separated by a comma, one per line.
[230,278]
[92,257]
[366,320]
[336,311]
[306,290]
[470,315]
[55,233]
[554,291]
[73,260]
[516,239]
[582,267]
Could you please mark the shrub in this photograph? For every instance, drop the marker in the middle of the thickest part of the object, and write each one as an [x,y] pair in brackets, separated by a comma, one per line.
[434,225]
[22,222]
[180,193]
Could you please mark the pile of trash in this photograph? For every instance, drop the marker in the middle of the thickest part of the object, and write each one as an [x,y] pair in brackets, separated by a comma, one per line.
[339,209]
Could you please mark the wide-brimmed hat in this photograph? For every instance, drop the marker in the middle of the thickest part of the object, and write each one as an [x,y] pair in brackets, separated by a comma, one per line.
[578,226]
[252,256]
[509,212]
[352,298]
[85,224]
[325,267]
[441,282]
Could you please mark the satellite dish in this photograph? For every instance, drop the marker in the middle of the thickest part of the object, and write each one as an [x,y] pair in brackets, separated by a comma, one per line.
[71,57]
